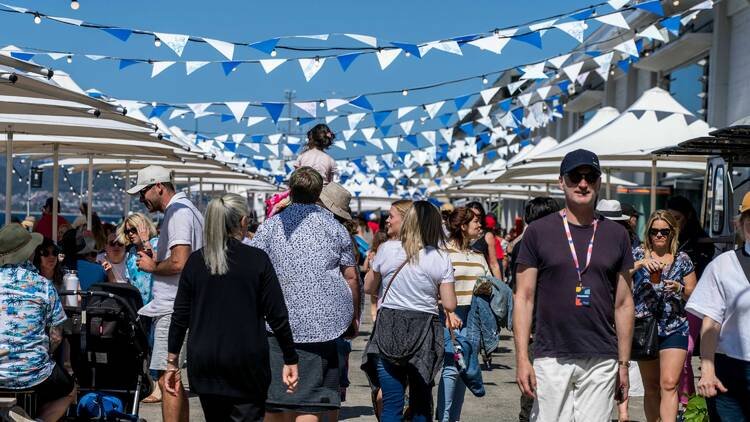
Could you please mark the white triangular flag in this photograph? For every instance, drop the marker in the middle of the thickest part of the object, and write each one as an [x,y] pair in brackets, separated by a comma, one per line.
[330,119]
[309,107]
[174,41]
[365,39]
[199,109]
[348,133]
[403,111]
[376,142]
[573,70]
[274,149]
[534,71]
[368,132]
[543,26]
[496,42]
[447,134]
[392,143]
[322,37]
[604,61]
[706,5]
[485,121]
[628,47]
[340,144]
[559,60]
[449,47]
[238,137]
[311,66]
[575,29]
[56,56]
[75,22]
[406,126]
[158,67]
[513,86]
[354,119]
[488,93]
[689,18]
[430,136]
[178,112]
[617,4]
[544,91]
[94,57]
[253,146]
[582,78]
[192,66]
[275,138]
[294,140]
[270,64]
[222,138]
[387,56]
[525,99]
[225,48]
[237,108]
[485,110]
[463,113]
[254,120]
[614,19]
[432,109]
[652,33]
[334,103]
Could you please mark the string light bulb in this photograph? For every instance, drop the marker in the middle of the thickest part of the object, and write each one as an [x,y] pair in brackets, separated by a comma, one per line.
[484,80]
[405,92]
[407,54]
[676,3]
[74,4]
[157,42]
[37,18]
[69,59]
[321,104]
[273,53]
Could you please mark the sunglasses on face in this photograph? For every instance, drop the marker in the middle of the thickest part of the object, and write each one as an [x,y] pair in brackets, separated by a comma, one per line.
[143,191]
[49,252]
[576,177]
[131,230]
[663,232]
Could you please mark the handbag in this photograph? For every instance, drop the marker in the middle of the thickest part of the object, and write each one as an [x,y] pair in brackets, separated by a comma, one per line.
[483,286]
[645,339]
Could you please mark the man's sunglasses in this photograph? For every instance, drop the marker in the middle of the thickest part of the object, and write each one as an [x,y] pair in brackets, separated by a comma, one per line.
[143,191]
[576,177]
[131,230]
[663,232]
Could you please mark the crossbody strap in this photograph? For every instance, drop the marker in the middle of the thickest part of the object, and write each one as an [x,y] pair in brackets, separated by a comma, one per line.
[382,299]
[744,261]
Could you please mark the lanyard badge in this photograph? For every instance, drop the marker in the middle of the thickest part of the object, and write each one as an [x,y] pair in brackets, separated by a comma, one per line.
[583,294]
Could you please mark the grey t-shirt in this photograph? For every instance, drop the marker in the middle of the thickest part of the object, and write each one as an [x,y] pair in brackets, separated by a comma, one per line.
[182,225]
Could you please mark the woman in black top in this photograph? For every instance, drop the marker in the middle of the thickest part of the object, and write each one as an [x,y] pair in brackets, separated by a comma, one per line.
[227,292]
[486,243]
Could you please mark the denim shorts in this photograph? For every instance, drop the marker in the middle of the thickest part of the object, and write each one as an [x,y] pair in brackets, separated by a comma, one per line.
[673,341]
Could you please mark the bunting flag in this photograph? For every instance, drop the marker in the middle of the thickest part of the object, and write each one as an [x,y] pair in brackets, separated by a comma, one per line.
[119,33]
[270,64]
[334,103]
[652,33]
[267,46]
[628,47]
[253,120]
[274,110]
[604,61]
[573,70]
[159,67]
[310,67]
[354,119]
[432,109]
[672,25]
[237,108]
[386,57]
[458,102]
[403,111]
[534,71]
[346,60]
[532,38]
[496,42]
[559,60]
[574,29]
[412,49]
[361,102]
[223,47]
[309,107]
[365,39]
[176,42]
[653,6]
[488,94]
[229,67]
[406,126]
[380,116]
[614,19]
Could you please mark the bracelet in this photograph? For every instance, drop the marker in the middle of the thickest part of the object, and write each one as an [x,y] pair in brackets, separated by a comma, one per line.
[623,363]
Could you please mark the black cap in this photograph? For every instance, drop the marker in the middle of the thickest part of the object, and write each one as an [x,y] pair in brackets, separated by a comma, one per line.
[629,210]
[578,158]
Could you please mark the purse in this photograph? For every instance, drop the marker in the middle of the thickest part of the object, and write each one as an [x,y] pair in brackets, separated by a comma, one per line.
[645,339]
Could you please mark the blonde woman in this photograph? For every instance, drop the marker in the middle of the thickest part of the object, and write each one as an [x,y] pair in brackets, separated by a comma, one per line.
[138,233]
[226,294]
[406,348]
[663,280]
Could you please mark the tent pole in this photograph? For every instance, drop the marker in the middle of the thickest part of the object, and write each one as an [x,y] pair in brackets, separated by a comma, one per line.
[189,194]
[609,184]
[200,192]
[653,184]
[90,193]
[8,177]
[547,189]
[126,208]
[28,190]
[55,188]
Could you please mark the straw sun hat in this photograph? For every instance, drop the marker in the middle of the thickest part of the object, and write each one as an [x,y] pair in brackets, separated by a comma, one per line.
[17,244]
[336,199]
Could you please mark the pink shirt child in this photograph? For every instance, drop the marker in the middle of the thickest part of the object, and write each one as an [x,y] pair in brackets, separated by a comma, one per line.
[320,161]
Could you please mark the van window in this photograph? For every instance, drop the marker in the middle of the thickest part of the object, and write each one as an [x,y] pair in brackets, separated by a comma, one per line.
[709,198]
[719,202]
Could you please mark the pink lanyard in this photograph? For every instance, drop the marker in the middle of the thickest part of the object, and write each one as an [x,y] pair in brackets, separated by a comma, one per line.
[564,215]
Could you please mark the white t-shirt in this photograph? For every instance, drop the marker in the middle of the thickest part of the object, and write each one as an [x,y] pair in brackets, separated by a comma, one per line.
[182,225]
[723,294]
[416,286]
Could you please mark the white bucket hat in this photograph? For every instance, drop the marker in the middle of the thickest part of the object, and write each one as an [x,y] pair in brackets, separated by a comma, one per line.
[611,210]
[336,199]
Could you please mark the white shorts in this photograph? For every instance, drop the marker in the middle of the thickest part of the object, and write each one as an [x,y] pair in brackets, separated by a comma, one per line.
[578,390]
[159,353]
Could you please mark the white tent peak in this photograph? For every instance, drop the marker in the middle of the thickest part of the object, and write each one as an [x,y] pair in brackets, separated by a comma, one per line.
[657,99]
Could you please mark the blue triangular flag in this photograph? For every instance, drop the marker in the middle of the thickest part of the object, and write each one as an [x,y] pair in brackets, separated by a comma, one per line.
[305,120]
[294,147]
[402,155]
[484,139]
[385,129]
[466,38]
[582,15]
[491,155]
[266,46]
[559,109]
[460,101]
[594,53]
[564,85]
[158,111]
[639,45]
[380,116]
[672,24]
[445,118]
[229,66]
[468,128]
[651,6]
[456,166]
[412,139]
[361,102]
[258,163]
[274,110]
[21,56]
[505,104]
[278,179]
[257,138]
[230,146]
[413,49]
[524,142]
[226,117]
[421,170]
[533,38]
[346,60]
[126,62]
[624,65]
[121,34]
[518,113]
[638,113]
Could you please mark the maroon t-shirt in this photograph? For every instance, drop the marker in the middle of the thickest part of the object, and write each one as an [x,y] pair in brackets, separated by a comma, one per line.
[562,328]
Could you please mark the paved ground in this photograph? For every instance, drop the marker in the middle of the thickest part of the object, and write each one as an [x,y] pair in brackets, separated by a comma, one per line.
[500,404]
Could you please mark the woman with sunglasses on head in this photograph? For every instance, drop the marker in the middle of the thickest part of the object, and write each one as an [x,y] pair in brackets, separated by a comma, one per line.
[138,233]
[663,280]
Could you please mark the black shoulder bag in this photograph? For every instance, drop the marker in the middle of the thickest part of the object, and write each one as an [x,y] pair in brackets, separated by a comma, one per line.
[744,259]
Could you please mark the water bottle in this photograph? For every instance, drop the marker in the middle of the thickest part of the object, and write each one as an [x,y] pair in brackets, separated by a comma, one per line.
[71,282]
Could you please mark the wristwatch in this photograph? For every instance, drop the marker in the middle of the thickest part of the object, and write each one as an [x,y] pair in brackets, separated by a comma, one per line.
[624,363]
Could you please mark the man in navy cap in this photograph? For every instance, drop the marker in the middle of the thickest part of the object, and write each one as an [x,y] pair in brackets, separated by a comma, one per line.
[577,265]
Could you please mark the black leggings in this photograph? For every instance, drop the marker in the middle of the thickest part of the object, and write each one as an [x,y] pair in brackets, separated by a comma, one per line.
[222,409]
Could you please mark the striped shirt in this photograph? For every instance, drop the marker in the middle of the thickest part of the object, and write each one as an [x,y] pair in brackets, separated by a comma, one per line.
[468,266]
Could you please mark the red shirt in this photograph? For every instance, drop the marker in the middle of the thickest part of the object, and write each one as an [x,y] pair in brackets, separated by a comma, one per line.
[374,226]
[44,226]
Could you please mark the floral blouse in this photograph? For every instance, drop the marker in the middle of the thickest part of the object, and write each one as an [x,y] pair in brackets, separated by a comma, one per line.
[652,299]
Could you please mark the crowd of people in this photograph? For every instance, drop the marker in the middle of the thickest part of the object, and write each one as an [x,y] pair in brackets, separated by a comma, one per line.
[266,316]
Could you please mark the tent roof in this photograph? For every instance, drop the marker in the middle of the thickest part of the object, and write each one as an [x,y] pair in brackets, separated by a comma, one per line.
[654,121]
[542,167]
[81,146]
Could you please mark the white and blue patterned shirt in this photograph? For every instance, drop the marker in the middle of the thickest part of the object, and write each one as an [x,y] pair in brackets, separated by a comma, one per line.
[308,248]
[29,305]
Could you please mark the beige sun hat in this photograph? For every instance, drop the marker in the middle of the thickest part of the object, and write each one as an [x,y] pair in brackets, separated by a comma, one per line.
[336,199]
[17,244]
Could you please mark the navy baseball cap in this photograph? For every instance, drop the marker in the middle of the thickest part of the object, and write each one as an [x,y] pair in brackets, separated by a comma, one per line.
[579,158]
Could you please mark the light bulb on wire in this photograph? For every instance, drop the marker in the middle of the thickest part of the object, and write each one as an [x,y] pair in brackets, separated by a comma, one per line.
[69,59]
[74,4]
[484,80]
[37,18]
[405,92]
[322,104]
[157,42]
[273,53]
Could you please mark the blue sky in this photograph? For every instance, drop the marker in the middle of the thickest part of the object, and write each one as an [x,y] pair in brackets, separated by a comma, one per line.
[408,21]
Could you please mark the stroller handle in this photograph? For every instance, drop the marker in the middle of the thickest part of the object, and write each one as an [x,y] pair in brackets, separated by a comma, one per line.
[89,293]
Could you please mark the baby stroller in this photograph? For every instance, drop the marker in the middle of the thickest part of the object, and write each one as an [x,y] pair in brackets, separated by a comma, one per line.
[109,352]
